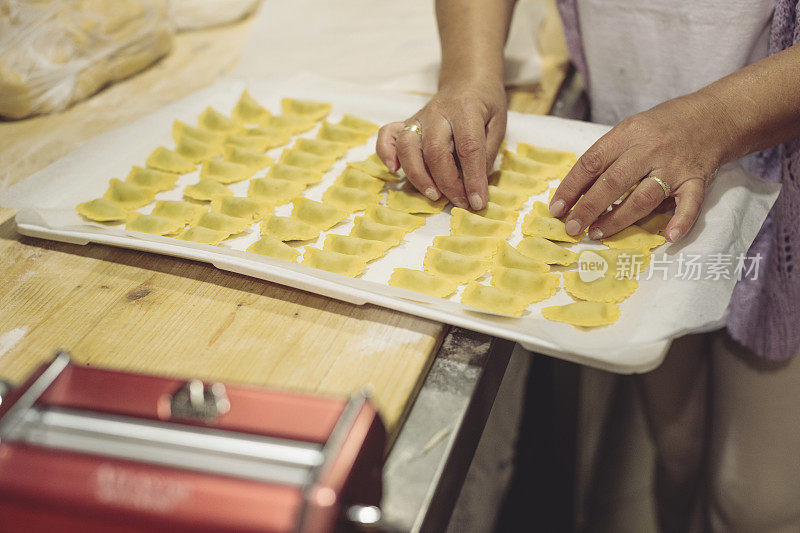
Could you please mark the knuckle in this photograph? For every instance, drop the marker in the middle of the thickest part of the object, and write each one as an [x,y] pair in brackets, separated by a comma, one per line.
[614,182]
[643,201]
[587,206]
[469,147]
[591,162]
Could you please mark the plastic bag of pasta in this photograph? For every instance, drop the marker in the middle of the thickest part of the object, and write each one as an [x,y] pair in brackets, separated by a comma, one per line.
[56,52]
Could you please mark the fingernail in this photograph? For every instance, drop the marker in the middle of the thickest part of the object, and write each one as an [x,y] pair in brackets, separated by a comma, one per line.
[460,202]
[475,201]
[431,193]
[673,235]
[557,208]
[573,227]
[596,234]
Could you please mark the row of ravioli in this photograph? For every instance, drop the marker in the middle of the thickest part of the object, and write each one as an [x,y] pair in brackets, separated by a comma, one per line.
[521,275]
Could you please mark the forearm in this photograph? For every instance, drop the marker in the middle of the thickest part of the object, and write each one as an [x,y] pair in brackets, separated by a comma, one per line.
[758,106]
[472,34]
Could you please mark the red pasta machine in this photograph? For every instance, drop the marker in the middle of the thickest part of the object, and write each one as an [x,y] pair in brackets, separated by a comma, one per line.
[93,450]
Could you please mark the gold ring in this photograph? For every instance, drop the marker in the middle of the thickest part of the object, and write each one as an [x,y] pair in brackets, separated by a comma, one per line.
[664,185]
[413,127]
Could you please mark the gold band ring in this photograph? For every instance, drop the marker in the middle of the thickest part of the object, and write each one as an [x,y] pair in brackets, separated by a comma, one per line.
[413,127]
[664,185]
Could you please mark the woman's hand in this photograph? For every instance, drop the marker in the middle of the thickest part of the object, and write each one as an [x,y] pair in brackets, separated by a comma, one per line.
[460,131]
[682,142]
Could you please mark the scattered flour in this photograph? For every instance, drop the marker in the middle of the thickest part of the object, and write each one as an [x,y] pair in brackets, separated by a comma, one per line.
[10,338]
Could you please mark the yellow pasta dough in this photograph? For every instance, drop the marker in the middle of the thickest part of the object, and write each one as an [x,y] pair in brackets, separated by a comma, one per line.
[489,298]
[341,134]
[225,171]
[621,262]
[463,222]
[292,124]
[152,179]
[317,214]
[349,199]
[321,147]
[247,208]
[409,201]
[477,247]
[545,251]
[532,287]
[498,212]
[272,247]
[607,288]
[523,165]
[289,229]
[296,158]
[223,222]
[424,282]
[127,195]
[636,238]
[583,314]
[296,174]
[249,158]
[510,257]
[361,124]
[352,177]
[205,190]
[549,156]
[153,224]
[196,151]
[506,197]
[548,227]
[213,120]
[655,223]
[181,131]
[347,265]
[518,182]
[369,229]
[366,249]
[185,212]
[102,210]
[273,136]
[255,143]
[313,110]
[393,217]
[204,235]
[249,111]
[167,160]
[274,190]
[375,168]
[453,265]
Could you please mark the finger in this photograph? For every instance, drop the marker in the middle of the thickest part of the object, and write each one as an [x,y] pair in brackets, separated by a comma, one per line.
[495,133]
[596,160]
[611,184]
[385,145]
[469,135]
[437,150]
[641,202]
[409,155]
[688,201]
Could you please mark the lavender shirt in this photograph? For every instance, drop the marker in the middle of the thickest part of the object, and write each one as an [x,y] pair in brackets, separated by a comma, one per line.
[764,313]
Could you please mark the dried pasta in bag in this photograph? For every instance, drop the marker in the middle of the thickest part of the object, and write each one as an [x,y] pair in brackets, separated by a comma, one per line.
[489,298]
[477,247]
[349,199]
[423,282]
[152,179]
[545,251]
[375,168]
[223,222]
[249,111]
[102,210]
[517,182]
[530,286]
[213,120]
[272,247]
[127,195]
[453,265]
[583,314]
[225,171]
[321,147]
[184,212]
[369,229]
[249,158]
[510,257]
[463,222]
[289,229]
[366,249]
[341,134]
[354,178]
[347,265]
[296,158]
[317,214]
[204,235]
[153,224]
[169,161]
[361,124]
[296,174]
[205,190]
[274,190]
[393,217]
[247,208]
[409,201]
[313,110]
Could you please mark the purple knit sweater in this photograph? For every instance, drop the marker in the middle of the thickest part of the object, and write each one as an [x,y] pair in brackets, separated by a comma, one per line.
[764,313]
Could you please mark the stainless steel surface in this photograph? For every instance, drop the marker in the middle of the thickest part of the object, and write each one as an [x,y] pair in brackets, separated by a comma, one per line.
[167,444]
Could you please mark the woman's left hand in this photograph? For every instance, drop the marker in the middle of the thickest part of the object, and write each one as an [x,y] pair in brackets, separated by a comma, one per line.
[682,141]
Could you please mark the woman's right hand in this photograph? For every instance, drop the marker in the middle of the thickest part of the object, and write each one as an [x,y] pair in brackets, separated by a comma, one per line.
[460,132]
